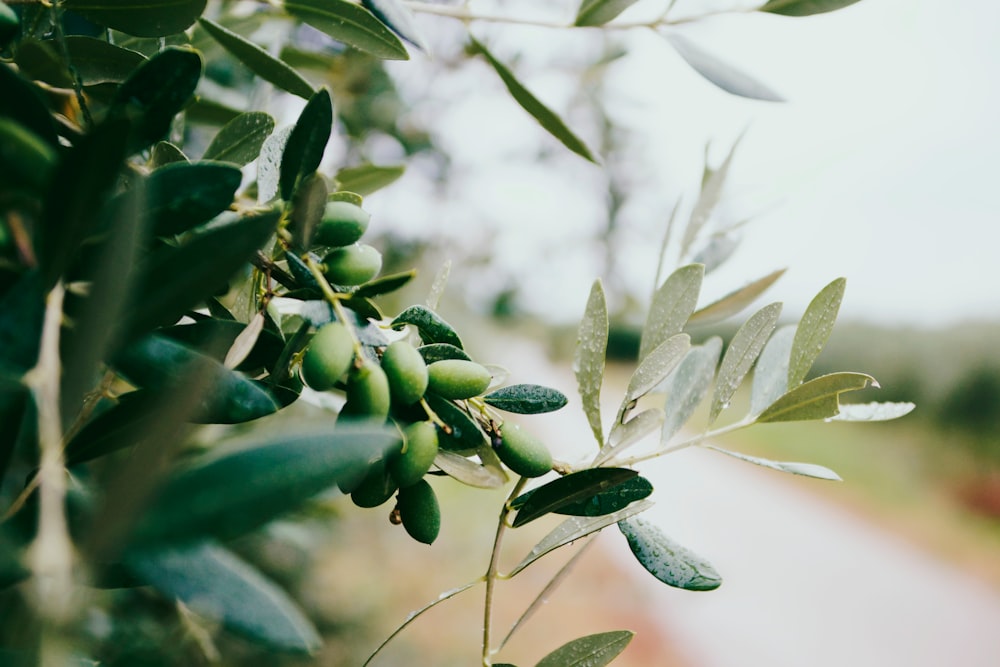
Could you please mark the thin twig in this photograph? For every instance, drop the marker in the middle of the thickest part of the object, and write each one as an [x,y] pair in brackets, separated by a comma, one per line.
[492,571]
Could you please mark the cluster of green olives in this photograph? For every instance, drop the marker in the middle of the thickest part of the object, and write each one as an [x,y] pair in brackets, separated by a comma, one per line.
[349,262]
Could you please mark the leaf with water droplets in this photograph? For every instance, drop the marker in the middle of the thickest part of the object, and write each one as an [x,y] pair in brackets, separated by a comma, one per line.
[591,492]
[873,412]
[804,469]
[770,377]
[814,330]
[672,305]
[689,385]
[588,360]
[595,650]
[654,369]
[626,434]
[818,398]
[399,18]
[241,139]
[666,560]
[469,472]
[742,352]
[735,301]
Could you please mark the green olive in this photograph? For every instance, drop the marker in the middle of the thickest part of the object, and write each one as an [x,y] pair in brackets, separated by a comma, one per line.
[9,24]
[420,448]
[522,452]
[367,392]
[343,223]
[376,488]
[355,264]
[406,370]
[457,378]
[419,511]
[328,356]
[26,160]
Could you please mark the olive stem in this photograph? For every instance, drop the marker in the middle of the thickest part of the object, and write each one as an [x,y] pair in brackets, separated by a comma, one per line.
[334,299]
[492,570]
[691,442]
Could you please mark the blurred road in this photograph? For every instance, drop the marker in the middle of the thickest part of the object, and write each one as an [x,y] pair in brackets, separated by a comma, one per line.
[805,582]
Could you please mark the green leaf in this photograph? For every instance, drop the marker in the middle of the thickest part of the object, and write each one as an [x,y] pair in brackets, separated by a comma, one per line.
[307,142]
[308,208]
[215,583]
[399,18]
[594,650]
[688,386]
[589,357]
[722,74]
[735,301]
[156,92]
[770,377]
[269,163]
[98,61]
[666,560]
[154,18]
[241,139]
[226,396]
[41,62]
[742,352]
[469,472]
[22,312]
[165,153]
[260,477]
[814,330]
[465,436]
[386,284]
[625,434]
[655,367]
[214,336]
[573,529]
[116,428]
[526,399]
[545,116]
[804,469]
[599,12]
[351,24]
[873,412]
[367,178]
[439,351]
[818,398]
[804,7]
[711,193]
[21,101]
[259,61]
[592,492]
[432,327]
[672,305]
[184,195]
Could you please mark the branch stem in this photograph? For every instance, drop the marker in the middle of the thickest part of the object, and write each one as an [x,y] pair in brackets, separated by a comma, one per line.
[493,569]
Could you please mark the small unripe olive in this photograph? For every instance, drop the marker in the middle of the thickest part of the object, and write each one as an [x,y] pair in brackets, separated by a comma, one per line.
[367,392]
[420,448]
[522,452]
[352,265]
[343,223]
[328,356]
[419,511]
[457,378]
[376,488]
[406,370]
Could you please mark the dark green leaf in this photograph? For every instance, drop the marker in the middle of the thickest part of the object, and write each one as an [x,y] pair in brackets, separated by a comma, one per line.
[367,178]
[545,116]
[666,560]
[818,398]
[743,350]
[465,437]
[735,301]
[307,142]
[804,7]
[814,330]
[526,399]
[592,492]
[121,426]
[215,583]
[385,284]
[154,18]
[688,386]
[269,163]
[432,327]
[439,351]
[589,357]
[723,75]
[672,305]
[41,62]
[399,18]
[599,12]
[22,311]
[308,208]
[259,61]
[98,61]
[215,336]
[351,24]
[241,139]
[14,408]
[184,195]
[595,650]
[262,476]
[165,153]
[21,101]
[804,469]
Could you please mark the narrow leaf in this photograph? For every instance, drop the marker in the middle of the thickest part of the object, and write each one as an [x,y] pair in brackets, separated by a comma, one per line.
[722,74]
[666,560]
[245,342]
[214,582]
[709,197]
[432,327]
[269,164]
[814,330]
[183,195]
[399,18]
[351,24]
[368,178]
[465,437]
[165,153]
[308,209]
[742,352]
[671,307]
[439,351]
[98,61]
[688,386]
[589,358]
[804,7]
[818,398]
[154,18]
[526,399]
[241,139]
[625,434]
[770,377]
[545,116]
[580,490]
[599,12]
[656,366]
[735,301]
[595,650]
[468,471]
[873,412]
[307,142]
[385,284]
[804,469]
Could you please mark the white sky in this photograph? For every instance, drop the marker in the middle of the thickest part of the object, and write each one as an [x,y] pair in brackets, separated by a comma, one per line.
[880,167]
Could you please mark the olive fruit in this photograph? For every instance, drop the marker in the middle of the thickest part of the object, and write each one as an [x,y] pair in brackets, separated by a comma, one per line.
[406,371]
[522,452]
[376,488]
[367,392]
[26,160]
[419,450]
[457,378]
[343,223]
[419,511]
[352,265]
[9,24]
[328,356]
